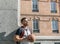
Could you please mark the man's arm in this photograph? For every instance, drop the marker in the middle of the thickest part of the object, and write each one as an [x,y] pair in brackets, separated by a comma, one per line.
[17,38]
[18,34]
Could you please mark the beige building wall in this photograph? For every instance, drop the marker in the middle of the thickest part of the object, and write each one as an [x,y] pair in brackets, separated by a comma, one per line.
[45,16]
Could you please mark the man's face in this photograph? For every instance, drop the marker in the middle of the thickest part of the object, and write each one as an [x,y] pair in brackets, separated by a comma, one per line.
[25,22]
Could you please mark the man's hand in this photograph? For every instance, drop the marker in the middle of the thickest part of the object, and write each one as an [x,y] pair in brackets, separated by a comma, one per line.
[31,38]
[17,38]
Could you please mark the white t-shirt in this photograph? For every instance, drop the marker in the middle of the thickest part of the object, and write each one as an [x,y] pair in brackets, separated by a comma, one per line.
[26,33]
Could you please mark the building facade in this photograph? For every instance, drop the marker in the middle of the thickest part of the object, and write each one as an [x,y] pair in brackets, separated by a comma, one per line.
[44,19]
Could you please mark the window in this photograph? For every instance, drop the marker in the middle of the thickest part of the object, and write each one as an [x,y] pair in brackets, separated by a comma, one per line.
[35,25]
[53,6]
[36,43]
[35,5]
[55,26]
[57,43]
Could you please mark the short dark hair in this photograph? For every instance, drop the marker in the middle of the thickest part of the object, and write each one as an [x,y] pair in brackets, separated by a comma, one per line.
[23,19]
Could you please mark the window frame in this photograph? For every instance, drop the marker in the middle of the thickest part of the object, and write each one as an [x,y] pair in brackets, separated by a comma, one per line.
[36,30]
[53,26]
[35,6]
[53,7]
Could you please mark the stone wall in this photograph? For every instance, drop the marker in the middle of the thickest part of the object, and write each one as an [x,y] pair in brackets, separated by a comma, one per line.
[8,20]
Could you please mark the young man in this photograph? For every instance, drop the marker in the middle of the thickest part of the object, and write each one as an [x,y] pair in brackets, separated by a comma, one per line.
[24,34]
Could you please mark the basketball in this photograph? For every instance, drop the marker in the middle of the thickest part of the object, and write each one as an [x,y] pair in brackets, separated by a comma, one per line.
[30,38]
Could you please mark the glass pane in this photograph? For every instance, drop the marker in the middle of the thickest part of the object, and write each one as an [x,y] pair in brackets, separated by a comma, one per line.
[35,4]
[35,24]
[35,7]
[53,6]
[55,25]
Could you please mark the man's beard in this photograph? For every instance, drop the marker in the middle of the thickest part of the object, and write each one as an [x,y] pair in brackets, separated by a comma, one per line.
[25,24]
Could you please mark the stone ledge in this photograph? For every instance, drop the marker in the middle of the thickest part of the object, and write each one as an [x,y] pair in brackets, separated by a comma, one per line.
[47,37]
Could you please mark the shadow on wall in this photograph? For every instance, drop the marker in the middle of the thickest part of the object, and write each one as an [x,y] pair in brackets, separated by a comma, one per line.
[8,38]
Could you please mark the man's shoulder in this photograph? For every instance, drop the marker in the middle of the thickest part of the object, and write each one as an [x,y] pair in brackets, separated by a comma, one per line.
[19,28]
[18,31]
